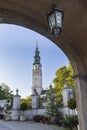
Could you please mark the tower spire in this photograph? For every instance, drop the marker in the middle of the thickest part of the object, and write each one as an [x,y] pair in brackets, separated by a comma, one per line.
[36,56]
[36,44]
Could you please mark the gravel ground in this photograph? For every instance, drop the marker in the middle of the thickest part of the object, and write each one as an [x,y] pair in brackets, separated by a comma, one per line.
[28,125]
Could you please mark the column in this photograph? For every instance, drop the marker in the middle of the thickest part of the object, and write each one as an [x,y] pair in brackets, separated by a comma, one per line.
[81,100]
[34,101]
[16,101]
[16,106]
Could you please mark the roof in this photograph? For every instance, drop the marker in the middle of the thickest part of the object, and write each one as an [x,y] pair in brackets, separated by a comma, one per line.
[44,92]
[36,57]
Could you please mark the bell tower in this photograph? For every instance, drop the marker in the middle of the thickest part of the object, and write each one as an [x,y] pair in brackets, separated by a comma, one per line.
[37,73]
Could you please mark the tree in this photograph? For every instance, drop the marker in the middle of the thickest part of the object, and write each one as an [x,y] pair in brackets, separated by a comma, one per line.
[23,106]
[28,101]
[69,78]
[6,92]
[62,74]
[51,105]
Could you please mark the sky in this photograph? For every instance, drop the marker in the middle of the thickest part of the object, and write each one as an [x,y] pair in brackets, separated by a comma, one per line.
[17,49]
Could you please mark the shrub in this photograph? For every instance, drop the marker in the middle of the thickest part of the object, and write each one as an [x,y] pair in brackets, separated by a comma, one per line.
[1,116]
[47,119]
[38,118]
[58,119]
[70,121]
[41,118]
[72,103]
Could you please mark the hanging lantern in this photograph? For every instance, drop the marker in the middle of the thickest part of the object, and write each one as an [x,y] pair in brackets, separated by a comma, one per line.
[54,19]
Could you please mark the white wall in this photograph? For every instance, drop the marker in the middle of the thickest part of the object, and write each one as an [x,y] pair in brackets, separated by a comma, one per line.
[3,103]
[67,111]
[30,113]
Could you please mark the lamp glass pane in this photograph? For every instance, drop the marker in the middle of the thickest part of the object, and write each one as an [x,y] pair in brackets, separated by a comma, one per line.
[52,21]
[58,18]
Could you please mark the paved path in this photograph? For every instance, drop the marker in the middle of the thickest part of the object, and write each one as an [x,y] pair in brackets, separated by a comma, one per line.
[3,127]
[28,125]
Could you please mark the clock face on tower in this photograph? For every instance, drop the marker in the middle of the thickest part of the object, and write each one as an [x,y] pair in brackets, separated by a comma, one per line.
[35,67]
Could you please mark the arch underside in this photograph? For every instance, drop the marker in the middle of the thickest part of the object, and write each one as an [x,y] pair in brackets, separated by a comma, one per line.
[73,40]
[35,19]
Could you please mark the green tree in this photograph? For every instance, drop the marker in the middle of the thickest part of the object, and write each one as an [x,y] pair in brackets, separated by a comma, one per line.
[51,105]
[28,101]
[6,93]
[23,106]
[62,74]
[69,78]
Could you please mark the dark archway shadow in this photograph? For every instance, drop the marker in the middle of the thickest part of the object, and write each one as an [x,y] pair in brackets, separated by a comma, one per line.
[10,17]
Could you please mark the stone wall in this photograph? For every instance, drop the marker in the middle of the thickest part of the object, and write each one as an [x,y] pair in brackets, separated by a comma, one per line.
[29,114]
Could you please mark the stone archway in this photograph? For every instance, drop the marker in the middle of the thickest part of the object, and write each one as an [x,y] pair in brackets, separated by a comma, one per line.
[22,14]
